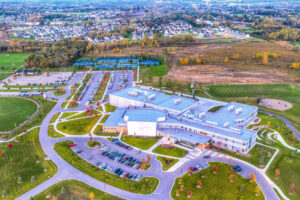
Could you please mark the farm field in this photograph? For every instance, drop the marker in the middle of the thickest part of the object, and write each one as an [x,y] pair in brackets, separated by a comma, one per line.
[73,189]
[27,159]
[253,90]
[216,186]
[14,111]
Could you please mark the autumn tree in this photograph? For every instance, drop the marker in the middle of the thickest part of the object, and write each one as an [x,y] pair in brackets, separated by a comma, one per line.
[226,60]
[199,183]
[148,159]
[189,194]
[215,169]
[181,187]
[91,195]
[292,189]
[252,177]
[265,59]
[177,193]
[257,191]
[277,173]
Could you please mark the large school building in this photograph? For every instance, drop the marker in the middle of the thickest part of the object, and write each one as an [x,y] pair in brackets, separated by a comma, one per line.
[147,113]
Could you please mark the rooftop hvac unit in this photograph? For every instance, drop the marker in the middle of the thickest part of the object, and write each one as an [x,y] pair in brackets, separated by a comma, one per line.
[132,93]
[238,111]
[231,108]
[177,101]
[152,96]
[226,124]
[201,115]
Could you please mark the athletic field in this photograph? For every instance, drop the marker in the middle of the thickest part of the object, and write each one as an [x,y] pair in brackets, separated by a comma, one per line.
[14,111]
[10,62]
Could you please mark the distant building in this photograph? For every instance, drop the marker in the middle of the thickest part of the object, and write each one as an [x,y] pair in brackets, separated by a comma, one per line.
[27,72]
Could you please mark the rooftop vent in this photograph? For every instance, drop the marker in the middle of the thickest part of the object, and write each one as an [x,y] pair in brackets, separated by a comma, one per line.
[226,124]
[152,96]
[238,111]
[201,115]
[231,108]
[133,93]
[177,101]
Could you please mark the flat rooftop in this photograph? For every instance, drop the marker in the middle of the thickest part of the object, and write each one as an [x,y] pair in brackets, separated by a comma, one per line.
[144,115]
[172,102]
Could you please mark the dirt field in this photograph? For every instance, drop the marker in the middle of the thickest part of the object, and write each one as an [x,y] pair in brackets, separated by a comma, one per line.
[247,69]
[276,104]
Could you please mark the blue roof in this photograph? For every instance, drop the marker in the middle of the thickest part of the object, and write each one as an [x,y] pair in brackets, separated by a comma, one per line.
[196,137]
[223,115]
[243,134]
[161,100]
[115,117]
[146,115]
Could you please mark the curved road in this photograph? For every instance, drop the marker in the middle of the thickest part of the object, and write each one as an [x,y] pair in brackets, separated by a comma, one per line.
[66,171]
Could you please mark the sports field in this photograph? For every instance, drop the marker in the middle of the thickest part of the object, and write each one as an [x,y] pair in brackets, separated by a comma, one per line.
[10,62]
[14,111]
[252,90]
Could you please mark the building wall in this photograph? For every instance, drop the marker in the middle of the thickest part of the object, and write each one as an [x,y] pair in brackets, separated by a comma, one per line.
[114,129]
[122,102]
[147,129]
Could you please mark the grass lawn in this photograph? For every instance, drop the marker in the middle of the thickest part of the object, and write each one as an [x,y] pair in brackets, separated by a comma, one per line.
[167,163]
[84,114]
[78,127]
[146,185]
[92,143]
[68,114]
[14,111]
[59,92]
[11,62]
[280,127]
[216,186]
[74,189]
[147,72]
[109,108]
[52,133]
[98,130]
[45,107]
[54,118]
[258,155]
[104,119]
[174,151]
[141,143]
[26,160]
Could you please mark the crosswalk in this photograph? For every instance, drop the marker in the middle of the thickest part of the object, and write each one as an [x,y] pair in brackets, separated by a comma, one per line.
[198,153]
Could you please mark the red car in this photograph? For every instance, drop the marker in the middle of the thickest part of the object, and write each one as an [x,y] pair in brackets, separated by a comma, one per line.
[72,145]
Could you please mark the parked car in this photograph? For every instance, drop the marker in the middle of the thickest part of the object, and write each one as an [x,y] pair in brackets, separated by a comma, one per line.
[237,168]
[72,145]
[206,156]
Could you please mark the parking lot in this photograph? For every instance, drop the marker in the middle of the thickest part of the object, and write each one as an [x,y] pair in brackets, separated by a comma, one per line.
[54,78]
[112,157]
[120,79]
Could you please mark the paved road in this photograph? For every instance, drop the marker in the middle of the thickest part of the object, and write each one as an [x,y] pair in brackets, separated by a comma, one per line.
[286,121]
[66,171]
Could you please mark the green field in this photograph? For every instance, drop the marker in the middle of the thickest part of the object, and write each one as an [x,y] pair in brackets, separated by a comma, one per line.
[14,111]
[10,62]
[167,163]
[174,151]
[26,160]
[146,185]
[77,127]
[73,189]
[253,90]
[216,186]
[141,143]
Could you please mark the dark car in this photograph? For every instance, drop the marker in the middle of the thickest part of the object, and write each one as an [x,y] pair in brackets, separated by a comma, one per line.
[237,168]
[206,156]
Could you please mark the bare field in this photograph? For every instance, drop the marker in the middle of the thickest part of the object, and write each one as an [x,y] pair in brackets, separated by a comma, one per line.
[246,69]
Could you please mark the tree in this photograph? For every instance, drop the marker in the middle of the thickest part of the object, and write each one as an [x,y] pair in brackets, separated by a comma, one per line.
[181,187]
[231,178]
[292,189]
[189,194]
[180,181]
[215,169]
[199,183]
[265,59]
[252,177]
[20,180]
[177,193]
[277,173]
[4,194]
[226,60]
[91,195]
[148,159]
[257,191]
[33,179]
